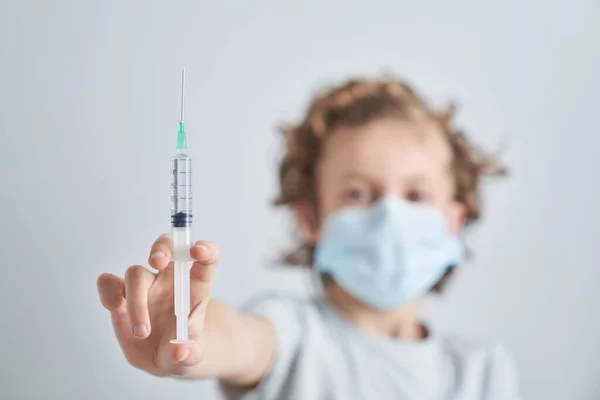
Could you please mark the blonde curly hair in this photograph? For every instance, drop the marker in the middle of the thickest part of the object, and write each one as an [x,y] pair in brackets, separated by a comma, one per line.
[357,102]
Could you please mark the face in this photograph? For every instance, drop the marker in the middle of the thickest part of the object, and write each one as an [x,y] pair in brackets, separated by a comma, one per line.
[386,157]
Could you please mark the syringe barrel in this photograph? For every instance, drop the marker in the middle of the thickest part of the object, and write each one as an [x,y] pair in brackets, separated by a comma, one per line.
[181,191]
[181,206]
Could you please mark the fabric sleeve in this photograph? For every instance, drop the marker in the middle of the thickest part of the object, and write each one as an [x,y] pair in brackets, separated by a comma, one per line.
[286,316]
[503,380]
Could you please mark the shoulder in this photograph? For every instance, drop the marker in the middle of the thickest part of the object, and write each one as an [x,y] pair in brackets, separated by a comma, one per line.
[466,347]
[291,315]
[494,364]
[274,299]
[279,305]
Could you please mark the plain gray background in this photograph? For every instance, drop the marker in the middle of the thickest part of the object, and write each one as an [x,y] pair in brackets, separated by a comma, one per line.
[89,103]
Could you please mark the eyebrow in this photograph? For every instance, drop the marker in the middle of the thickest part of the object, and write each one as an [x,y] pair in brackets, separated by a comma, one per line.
[354,174]
[418,178]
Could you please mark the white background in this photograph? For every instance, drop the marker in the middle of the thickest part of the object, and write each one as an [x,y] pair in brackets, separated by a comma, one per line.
[89,106]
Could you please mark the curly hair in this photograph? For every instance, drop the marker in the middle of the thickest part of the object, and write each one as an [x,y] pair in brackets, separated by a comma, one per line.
[355,103]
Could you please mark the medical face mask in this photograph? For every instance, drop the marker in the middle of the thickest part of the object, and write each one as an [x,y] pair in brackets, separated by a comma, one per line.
[387,254]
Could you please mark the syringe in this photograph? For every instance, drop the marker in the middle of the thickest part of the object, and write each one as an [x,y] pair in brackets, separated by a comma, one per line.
[181,224]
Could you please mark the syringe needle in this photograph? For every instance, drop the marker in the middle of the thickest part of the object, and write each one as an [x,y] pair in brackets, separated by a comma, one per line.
[182,92]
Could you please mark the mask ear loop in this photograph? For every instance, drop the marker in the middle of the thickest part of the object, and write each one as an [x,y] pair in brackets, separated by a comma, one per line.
[443,281]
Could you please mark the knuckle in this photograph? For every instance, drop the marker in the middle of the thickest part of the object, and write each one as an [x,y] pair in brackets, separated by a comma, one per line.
[139,310]
[135,361]
[107,302]
[134,272]
[177,370]
[209,262]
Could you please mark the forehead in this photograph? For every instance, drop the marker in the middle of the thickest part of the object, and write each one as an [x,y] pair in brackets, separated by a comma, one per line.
[390,147]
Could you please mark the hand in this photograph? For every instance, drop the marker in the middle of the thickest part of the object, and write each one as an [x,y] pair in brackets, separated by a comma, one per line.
[142,309]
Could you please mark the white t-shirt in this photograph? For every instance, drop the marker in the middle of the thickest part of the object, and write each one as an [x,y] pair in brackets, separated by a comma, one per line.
[323,356]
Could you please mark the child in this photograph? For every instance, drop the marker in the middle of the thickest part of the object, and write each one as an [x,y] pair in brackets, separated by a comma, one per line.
[381,186]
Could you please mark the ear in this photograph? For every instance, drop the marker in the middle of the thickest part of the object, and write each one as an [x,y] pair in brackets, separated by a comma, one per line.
[457,217]
[308,222]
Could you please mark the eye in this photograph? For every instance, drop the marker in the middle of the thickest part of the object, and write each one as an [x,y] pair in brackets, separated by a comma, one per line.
[358,196]
[415,196]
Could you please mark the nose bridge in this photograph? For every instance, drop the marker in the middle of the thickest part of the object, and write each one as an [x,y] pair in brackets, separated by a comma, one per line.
[385,235]
[385,217]
[385,210]
[393,216]
[391,188]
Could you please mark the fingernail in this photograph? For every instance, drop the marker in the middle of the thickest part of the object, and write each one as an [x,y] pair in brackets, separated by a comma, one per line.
[201,247]
[158,254]
[140,331]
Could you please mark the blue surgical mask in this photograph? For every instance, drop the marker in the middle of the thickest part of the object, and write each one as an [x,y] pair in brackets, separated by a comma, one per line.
[389,253]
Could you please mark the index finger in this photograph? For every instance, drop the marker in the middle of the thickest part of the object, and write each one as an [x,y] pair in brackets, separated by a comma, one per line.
[160,254]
